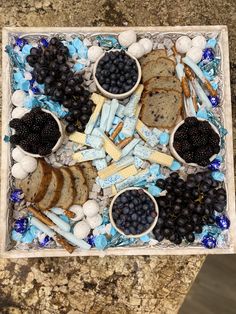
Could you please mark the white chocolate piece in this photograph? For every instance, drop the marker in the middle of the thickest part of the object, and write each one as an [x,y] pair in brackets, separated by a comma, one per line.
[132,180]
[100,163]
[29,164]
[183,44]
[78,211]
[131,108]
[195,53]
[127,38]
[58,221]
[136,50]
[18,98]
[94,53]
[89,154]
[17,154]
[99,101]
[104,115]
[147,44]
[94,221]
[146,134]
[199,41]
[112,113]
[18,112]
[110,148]
[91,208]
[81,230]
[18,172]
[129,126]
[86,139]
[115,167]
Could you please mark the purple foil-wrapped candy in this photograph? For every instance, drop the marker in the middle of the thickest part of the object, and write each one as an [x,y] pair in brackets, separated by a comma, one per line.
[16,196]
[45,241]
[209,241]
[223,222]
[208,55]
[214,100]
[214,165]
[44,42]
[21,42]
[35,90]
[21,225]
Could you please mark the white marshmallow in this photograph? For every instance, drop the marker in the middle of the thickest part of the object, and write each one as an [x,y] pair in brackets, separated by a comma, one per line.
[195,53]
[79,212]
[90,208]
[147,44]
[18,172]
[183,44]
[17,154]
[29,164]
[94,53]
[18,112]
[94,221]
[81,230]
[18,98]
[136,50]
[199,41]
[127,38]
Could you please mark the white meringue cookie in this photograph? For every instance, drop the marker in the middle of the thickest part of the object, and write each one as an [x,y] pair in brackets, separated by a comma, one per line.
[18,112]
[18,98]
[195,53]
[18,172]
[79,212]
[94,53]
[29,164]
[17,154]
[127,38]
[199,41]
[90,208]
[94,221]
[136,50]
[183,44]
[81,230]
[147,44]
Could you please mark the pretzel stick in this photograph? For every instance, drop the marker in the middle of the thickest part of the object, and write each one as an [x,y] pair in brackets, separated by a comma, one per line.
[116,131]
[68,213]
[211,90]
[190,75]
[64,243]
[125,142]
[185,87]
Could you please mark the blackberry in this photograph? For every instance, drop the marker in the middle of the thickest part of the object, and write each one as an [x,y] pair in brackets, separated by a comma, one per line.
[215,149]
[15,139]
[44,150]
[50,133]
[28,120]
[36,128]
[15,123]
[33,139]
[23,131]
[204,162]
[188,156]
[198,140]
[184,128]
[178,146]
[36,110]
[204,152]
[204,127]
[191,121]
[181,135]
[186,146]
[40,120]
[193,131]
[214,139]
[25,145]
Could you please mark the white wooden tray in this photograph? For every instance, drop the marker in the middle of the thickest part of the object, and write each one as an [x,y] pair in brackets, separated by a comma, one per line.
[5,247]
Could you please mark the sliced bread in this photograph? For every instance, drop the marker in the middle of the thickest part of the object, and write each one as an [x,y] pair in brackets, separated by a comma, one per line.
[163,82]
[68,192]
[161,108]
[89,172]
[35,185]
[160,67]
[152,56]
[81,187]
[54,190]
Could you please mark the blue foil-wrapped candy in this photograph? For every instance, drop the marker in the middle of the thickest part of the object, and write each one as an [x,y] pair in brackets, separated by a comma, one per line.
[208,55]
[223,222]
[209,241]
[214,100]
[21,225]
[16,196]
[44,42]
[218,176]
[100,242]
[20,42]
[91,240]
[44,242]
[108,42]
[35,90]
[214,165]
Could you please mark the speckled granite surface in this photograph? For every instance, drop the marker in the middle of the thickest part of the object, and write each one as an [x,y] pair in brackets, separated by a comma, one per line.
[112,284]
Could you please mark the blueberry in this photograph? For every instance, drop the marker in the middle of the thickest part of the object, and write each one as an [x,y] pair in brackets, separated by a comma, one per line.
[132,230]
[105,86]
[167,232]
[190,237]
[150,219]
[122,78]
[178,240]
[125,210]
[70,128]
[127,231]
[134,217]
[181,221]
[182,230]
[159,237]
[145,207]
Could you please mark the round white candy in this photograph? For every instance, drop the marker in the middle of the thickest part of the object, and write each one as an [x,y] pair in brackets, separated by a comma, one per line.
[18,98]
[91,208]
[18,112]
[81,230]
[136,50]
[127,38]
[94,221]
[79,212]
[195,53]
[17,154]
[29,164]
[18,172]
[199,41]
[183,44]
[147,44]
[94,53]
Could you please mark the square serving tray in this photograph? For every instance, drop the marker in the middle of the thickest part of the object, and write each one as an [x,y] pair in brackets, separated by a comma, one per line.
[6,249]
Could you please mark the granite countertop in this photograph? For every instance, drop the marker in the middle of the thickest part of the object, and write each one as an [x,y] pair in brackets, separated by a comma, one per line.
[111,284]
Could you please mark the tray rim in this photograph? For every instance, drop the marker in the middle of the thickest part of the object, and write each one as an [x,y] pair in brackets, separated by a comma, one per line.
[5,157]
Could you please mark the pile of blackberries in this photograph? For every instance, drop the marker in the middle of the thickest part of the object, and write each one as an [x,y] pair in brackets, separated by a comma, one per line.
[133,212]
[117,72]
[196,142]
[61,83]
[36,132]
[187,206]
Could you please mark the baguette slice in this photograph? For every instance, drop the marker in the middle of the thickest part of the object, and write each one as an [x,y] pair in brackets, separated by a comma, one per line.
[54,190]
[152,56]
[68,192]
[163,82]
[161,67]
[35,185]
[81,187]
[89,172]
[161,108]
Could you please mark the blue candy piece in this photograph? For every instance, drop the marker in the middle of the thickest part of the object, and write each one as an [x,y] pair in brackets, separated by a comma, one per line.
[219,157]
[214,101]
[16,236]
[32,82]
[145,238]
[64,218]
[45,241]
[108,42]
[164,138]
[223,222]
[208,55]
[209,241]
[214,165]
[175,166]
[16,196]
[26,49]
[214,85]
[23,85]
[44,42]
[91,240]
[31,102]
[34,231]
[154,190]
[154,169]
[21,225]
[18,76]
[218,176]
[78,67]
[72,50]
[100,242]
[82,50]
[35,90]
[202,113]
[211,43]
[161,176]
[6,139]
[113,231]
[21,42]
[27,237]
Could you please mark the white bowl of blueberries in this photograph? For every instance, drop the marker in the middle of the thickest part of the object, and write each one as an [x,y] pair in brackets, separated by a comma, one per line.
[117,74]
[133,212]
